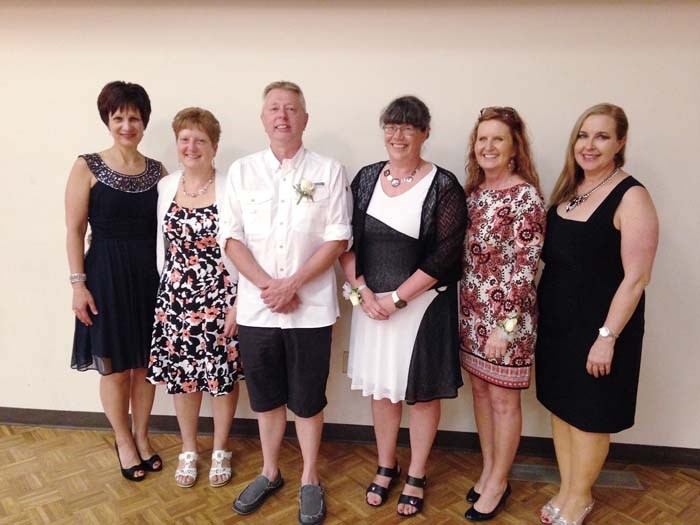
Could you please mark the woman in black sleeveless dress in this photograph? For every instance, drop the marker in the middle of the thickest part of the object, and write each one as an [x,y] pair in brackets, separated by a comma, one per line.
[602,233]
[115,282]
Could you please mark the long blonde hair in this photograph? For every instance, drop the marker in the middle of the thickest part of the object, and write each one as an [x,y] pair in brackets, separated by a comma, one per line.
[572,174]
[523,163]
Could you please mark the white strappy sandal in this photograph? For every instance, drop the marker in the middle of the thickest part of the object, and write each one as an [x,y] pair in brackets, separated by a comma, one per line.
[189,470]
[217,468]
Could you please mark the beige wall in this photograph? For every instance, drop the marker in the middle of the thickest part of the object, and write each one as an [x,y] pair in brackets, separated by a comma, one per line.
[548,60]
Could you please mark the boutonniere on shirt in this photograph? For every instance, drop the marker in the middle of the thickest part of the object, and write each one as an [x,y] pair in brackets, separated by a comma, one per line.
[353,294]
[305,190]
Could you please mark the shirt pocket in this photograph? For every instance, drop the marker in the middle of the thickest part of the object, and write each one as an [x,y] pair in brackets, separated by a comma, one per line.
[310,214]
[256,210]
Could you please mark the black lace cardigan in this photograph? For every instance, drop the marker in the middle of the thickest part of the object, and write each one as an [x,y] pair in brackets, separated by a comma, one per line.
[443,223]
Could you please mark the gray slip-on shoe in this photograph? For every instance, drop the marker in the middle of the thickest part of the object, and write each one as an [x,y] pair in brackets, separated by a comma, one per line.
[312,509]
[254,495]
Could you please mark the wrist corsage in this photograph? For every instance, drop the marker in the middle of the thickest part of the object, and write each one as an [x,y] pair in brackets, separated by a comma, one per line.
[353,294]
[506,328]
[305,190]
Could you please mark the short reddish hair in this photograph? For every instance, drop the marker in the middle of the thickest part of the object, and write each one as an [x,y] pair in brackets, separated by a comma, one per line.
[199,118]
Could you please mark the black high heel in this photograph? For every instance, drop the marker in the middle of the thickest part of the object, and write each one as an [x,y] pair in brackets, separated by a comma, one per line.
[147,464]
[129,473]
[474,515]
[473,496]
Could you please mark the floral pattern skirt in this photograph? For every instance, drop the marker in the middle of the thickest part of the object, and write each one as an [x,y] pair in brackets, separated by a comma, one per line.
[189,352]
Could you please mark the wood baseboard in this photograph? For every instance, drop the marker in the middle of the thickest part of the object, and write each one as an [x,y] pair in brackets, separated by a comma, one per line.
[445,439]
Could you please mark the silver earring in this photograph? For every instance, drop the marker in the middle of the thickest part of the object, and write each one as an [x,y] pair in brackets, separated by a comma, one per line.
[511,164]
[213,163]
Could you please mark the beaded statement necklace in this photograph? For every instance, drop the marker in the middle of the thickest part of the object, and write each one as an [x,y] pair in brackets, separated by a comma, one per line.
[580,199]
[396,181]
[200,191]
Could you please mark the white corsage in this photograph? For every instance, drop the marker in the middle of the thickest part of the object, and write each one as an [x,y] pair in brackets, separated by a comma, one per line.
[353,294]
[305,190]
[506,328]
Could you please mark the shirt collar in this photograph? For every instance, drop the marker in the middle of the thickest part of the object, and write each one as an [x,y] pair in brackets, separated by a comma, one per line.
[275,165]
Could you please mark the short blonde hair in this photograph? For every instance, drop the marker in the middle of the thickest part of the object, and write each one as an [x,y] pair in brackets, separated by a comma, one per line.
[287,86]
[199,118]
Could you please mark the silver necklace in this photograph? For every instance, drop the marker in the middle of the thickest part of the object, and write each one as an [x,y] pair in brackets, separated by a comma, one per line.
[200,191]
[580,199]
[396,181]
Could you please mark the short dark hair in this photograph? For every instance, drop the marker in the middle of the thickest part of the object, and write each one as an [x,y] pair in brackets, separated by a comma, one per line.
[119,95]
[406,110]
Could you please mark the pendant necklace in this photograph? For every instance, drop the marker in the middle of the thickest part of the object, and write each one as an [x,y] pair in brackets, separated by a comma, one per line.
[396,181]
[580,199]
[200,191]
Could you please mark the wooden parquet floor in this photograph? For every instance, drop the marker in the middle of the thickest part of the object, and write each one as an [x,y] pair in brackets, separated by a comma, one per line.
[71,477]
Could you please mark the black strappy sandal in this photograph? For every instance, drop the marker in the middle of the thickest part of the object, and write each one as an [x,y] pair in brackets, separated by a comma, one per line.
[413,501]
[129,473]
[383,492]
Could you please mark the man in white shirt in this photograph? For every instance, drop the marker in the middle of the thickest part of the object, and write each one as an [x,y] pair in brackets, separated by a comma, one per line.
[286,221]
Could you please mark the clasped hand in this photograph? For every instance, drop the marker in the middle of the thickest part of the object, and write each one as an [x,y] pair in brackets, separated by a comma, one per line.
[377,309]
[280,295]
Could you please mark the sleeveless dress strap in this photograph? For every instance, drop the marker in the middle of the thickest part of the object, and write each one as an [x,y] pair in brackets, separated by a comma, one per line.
[607,208]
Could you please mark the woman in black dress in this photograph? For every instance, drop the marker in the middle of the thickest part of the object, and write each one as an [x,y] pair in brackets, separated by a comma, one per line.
[602,233]
[115,282]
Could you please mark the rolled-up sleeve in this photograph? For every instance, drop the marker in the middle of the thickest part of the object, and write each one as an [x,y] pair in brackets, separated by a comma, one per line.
[338,223]
[231,220]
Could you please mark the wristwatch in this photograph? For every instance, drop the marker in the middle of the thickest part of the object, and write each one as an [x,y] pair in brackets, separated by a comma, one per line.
[604,331]
[398,302]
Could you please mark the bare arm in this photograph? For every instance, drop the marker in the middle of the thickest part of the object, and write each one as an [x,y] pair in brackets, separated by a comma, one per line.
[411,288]
[528,238]
[370,305]
[246,264]
[639,229]
[77,200]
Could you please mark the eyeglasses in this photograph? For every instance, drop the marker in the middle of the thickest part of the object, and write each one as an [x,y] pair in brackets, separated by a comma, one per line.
[406,130]
[502,111]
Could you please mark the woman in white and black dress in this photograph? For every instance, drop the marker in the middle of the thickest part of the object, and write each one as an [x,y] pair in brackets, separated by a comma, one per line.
[409,221]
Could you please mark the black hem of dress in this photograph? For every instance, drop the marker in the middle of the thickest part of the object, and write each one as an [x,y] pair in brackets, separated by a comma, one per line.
[590,430]
[450,396]
[90,368]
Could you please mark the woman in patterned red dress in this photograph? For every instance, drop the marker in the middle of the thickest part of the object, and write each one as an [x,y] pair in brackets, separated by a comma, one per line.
[497,293]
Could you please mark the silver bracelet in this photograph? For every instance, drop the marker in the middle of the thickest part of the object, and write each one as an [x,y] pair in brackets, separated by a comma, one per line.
[77,278]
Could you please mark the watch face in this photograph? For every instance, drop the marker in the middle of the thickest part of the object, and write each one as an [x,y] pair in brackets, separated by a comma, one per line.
[604,331]
[400,303]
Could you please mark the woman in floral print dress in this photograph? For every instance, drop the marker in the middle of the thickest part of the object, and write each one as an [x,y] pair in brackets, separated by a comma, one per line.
[497,293]
[192,351]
